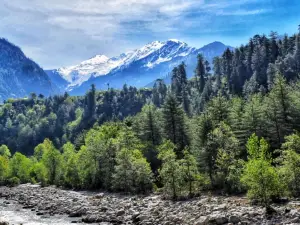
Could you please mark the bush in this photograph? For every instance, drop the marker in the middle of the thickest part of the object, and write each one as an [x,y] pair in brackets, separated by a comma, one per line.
[14,181]
[259,176]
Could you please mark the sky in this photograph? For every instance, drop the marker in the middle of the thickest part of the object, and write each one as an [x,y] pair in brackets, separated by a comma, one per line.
[57,33]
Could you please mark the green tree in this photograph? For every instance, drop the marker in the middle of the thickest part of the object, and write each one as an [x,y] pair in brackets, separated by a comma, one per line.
[259,176]
[4,151]
[175,128]
[192,177]
[52,160]
[171,173]
[292,142]
[147,125]
[3,169]
[290,171]
[20,167]
[132,172]
[200,74]
[101,144]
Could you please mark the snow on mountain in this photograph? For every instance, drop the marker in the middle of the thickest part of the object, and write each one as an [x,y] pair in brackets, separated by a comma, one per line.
[101,65]
[137,67]
[97,66]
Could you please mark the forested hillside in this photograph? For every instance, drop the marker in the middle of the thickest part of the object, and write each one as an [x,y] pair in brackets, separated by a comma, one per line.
[233,130]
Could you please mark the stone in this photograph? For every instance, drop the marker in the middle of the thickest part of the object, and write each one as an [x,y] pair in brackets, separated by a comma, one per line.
[4,223]
[202,220]
[78,213]
[234,219]
[121,212]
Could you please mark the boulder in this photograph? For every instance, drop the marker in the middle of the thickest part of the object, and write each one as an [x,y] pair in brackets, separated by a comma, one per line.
[234,219]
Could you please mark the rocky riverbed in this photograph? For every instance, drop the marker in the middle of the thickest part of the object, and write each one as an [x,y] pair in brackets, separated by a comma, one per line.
[106,209]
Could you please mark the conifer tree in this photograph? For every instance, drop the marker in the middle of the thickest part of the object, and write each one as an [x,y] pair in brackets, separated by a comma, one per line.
[174,124]
[171,172]
[200,73]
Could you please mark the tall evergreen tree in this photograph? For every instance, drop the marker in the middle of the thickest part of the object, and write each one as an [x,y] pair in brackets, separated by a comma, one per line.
[174,124]
[200,73]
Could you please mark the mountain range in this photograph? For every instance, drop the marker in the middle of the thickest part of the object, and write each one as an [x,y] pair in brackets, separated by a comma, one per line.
[20,76]
[138,68]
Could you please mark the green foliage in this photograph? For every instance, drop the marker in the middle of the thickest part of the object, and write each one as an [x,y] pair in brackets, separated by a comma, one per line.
[218,154]
[292,142]
[39,173]
[20,166]
[259,176]
[192,178]
[171,172]
[14,181]
[290,171]
[52,160]
[4,151]
[175,128]
[132,172]
[3,169]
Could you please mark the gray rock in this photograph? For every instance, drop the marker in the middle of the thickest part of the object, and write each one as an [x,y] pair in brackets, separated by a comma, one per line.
[4,223]
[202,220]
[234,219]
[121,212]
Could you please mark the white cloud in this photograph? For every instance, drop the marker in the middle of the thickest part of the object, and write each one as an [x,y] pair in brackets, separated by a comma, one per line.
[242,12]
[71,30]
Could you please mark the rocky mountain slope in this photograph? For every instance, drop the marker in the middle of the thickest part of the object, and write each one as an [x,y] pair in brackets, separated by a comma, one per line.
[137,68]
[19,75]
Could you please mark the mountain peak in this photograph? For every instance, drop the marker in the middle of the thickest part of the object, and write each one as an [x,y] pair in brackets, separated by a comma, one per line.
[175,41]
[215,46]
[96,59]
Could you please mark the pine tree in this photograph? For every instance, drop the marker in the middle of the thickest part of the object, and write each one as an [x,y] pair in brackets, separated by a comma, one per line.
[279,111]
[171,171]
[274,47]
[297,53]
[200,73]
[218,72]
[249,53]
[237,78]
[179,86]
[159,92]
[227,64]
[218,109]
[285,45]
[148,127]
[271,73]
[253,118]
[259,65]
[191,173]
[174,124]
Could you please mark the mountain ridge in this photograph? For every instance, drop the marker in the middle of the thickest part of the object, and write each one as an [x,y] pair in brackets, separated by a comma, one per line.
[138,67]
[19,75]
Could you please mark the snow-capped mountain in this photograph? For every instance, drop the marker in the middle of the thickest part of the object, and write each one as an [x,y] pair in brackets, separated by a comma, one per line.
[138,67]
[19,75]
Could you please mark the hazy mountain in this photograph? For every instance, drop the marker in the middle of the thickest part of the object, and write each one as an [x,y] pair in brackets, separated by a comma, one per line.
[19,75]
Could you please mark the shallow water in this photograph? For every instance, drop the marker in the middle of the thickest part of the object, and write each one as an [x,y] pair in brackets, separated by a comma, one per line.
[15,214]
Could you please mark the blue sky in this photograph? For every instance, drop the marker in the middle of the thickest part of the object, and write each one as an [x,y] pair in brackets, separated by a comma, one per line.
[58,33]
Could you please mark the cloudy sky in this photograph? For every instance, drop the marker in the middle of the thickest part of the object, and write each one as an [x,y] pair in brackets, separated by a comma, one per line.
[58,33]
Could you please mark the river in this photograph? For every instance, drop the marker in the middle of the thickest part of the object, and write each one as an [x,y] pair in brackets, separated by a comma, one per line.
[15,214]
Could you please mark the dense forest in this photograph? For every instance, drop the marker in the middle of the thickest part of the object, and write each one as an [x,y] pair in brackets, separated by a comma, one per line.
[233,129]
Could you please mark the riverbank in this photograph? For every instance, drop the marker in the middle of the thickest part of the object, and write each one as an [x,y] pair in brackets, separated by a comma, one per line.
[105,209]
